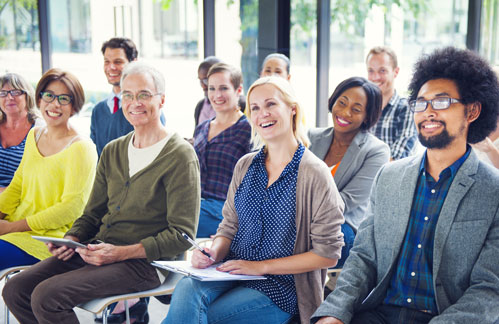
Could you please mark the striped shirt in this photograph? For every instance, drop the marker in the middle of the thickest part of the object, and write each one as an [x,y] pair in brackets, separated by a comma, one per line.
[218,157]
[396,127]
[10,158]
[411,285]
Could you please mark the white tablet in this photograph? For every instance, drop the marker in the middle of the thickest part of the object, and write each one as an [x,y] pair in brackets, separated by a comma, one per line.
[59,241]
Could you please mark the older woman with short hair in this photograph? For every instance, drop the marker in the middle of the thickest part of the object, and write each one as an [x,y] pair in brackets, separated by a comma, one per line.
[18,114]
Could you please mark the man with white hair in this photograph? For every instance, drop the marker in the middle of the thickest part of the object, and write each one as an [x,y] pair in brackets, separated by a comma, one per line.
[146,193]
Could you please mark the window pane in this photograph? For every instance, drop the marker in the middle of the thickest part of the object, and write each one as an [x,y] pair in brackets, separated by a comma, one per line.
[166,34]
[490,31]
[236,35]
[303,55]
[19,40]
[355,30]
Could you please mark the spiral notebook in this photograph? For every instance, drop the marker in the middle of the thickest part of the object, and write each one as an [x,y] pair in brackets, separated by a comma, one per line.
[207,274]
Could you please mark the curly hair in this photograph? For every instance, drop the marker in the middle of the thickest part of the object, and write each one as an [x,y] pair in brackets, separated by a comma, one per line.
[475,81]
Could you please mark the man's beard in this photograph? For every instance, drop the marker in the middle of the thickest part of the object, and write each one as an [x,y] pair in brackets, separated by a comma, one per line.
[439,141]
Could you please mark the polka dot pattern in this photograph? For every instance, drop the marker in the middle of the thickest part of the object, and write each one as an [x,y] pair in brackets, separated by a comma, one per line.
[267,228]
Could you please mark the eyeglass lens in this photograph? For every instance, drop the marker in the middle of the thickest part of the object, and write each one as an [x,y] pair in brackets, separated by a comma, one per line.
[13,93]
[437,103]
[142,96]
[62,99]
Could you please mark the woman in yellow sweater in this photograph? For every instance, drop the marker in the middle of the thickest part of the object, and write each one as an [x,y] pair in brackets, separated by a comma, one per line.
[53,181]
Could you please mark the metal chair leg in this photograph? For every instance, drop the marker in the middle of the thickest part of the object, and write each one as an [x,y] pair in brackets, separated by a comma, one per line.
[105,314]
[6,309]
[127,312]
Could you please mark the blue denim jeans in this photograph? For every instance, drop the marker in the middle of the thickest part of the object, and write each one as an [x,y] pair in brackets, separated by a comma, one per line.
[217,302]
[348,237]
[210,216]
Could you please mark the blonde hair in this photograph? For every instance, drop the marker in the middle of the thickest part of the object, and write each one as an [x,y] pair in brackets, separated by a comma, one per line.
[289,98]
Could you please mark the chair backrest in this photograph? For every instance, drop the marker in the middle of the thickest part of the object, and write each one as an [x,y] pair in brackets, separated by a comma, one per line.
[166,288]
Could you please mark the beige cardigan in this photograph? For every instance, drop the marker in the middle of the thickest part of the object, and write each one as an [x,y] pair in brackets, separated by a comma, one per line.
[319,215]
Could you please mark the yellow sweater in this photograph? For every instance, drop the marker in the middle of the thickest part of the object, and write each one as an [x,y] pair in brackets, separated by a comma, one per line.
[49,192]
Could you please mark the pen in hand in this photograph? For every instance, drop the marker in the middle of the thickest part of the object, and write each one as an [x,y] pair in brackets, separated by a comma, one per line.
[197,246]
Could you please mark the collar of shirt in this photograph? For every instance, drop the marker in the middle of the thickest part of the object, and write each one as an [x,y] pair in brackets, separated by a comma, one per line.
[110,101]
[259,160]
[453,168]
[394,99]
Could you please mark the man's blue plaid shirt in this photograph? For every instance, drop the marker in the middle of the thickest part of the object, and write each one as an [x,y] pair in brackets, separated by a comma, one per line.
[411,285]
[396,127]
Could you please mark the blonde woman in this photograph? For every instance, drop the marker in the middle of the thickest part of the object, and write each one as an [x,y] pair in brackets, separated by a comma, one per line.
[282,219]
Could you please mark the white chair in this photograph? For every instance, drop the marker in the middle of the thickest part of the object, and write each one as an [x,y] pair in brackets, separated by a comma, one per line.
[101,305]
[332,276]
[7,273]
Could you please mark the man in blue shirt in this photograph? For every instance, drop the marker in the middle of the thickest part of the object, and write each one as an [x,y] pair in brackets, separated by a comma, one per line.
[108,121]
[429,246]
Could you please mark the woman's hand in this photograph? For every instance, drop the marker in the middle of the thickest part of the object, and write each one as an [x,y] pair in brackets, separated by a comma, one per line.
[4,227]
[254,268]
[201,261]
[63,253]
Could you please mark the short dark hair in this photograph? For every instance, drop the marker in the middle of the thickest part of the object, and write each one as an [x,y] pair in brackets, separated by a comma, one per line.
[235,75]
[374,99]
[208,62]
[475,81]
[69,80]
[278,56]
[122,42]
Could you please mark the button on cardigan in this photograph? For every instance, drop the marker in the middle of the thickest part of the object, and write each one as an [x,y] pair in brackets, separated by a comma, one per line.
[319,215]
[152,207]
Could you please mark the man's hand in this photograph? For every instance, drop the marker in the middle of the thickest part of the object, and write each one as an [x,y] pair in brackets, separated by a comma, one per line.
[63,253]
[329,320]
[100,254]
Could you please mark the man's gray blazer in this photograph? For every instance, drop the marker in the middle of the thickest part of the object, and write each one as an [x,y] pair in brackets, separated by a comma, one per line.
[355,174]
[465,252]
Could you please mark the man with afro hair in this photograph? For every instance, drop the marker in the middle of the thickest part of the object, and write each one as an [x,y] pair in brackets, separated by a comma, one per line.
[428,250]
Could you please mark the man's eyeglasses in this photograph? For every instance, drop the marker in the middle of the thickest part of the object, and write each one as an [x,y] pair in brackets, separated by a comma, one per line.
[420,105]
[63,99]
[13,93]
[142,97]
[204,81]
